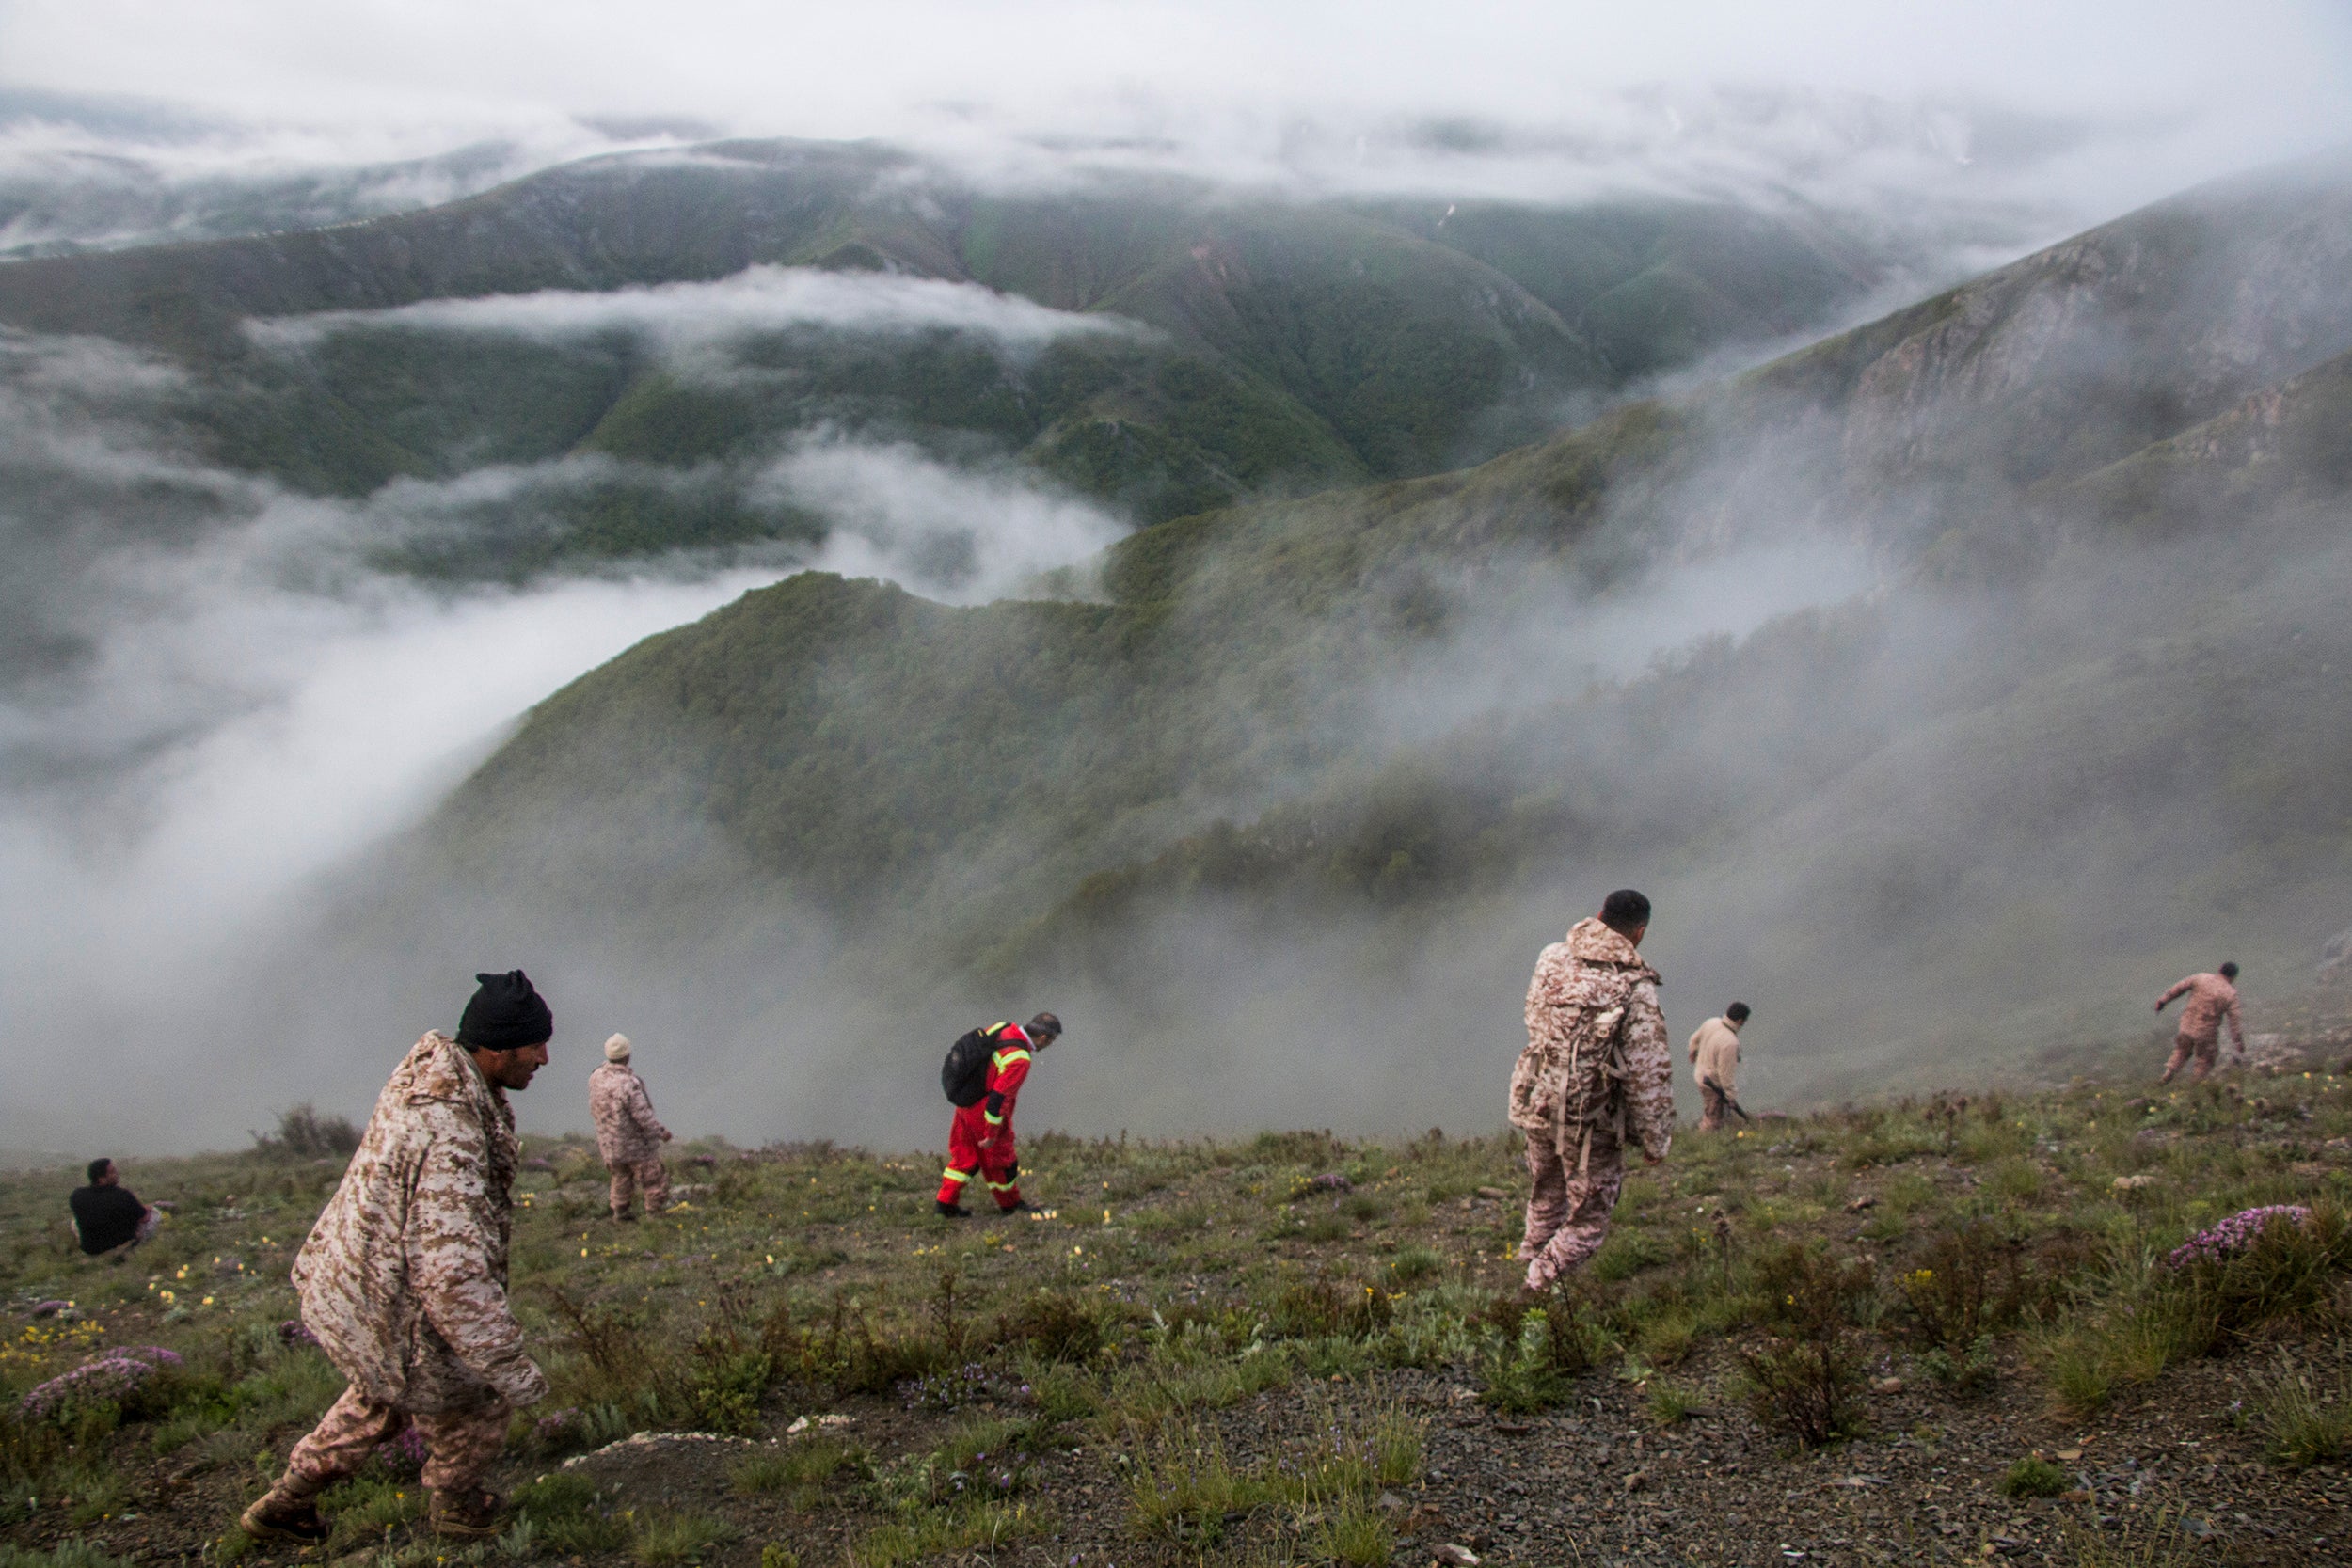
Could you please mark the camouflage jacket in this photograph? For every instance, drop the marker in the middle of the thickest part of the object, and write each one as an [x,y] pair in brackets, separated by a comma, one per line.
[2211,999]
[403,1278]
[626,1128]
[1597,1053]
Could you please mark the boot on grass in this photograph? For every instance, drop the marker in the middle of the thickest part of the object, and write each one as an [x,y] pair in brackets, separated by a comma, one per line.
[473,1513]
[277,1516]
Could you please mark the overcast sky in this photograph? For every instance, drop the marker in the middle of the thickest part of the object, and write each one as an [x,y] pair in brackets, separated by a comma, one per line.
[2183,88]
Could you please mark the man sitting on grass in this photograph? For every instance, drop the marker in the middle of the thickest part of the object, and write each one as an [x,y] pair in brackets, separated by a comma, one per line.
[108,1216]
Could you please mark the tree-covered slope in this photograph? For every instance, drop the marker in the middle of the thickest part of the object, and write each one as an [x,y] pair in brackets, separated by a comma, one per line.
[1259,346]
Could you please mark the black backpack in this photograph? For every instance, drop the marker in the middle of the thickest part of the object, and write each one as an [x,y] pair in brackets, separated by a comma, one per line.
[964,1074]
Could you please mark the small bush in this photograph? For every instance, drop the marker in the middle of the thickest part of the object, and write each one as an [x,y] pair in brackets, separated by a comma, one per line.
[1809,1388]
[1966,1374]
[2299,1426]
[2285,1269]
[1669,1402]
[304,1134]
[2033,1477]
[1354,1532]
[1804,1377]
[1968,1286]
[1530,1355]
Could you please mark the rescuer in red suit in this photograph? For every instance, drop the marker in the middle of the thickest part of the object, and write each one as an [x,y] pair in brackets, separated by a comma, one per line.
[980,1142]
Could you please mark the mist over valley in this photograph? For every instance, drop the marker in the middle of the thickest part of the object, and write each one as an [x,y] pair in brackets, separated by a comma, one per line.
[1247,592]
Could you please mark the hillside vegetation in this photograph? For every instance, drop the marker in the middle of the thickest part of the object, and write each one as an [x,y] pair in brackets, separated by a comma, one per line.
[1265,347]
[1921,1331]
[1353,756]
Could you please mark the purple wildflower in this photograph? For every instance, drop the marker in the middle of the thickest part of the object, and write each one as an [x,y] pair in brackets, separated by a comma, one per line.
[294,1332]
[112,1379]
[402,1454]
[2234,1234]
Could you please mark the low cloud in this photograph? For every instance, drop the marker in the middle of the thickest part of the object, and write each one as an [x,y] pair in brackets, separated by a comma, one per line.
[953,533]
[682,318]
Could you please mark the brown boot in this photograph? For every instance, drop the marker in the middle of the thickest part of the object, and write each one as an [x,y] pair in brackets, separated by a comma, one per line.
[276,1516]
[473,1513]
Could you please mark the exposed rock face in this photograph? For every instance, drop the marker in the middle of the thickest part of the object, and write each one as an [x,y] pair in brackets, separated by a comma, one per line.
[2070,359]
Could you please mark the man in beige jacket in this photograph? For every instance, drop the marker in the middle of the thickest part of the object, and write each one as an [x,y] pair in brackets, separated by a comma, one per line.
[403,1278]
[1715,1064]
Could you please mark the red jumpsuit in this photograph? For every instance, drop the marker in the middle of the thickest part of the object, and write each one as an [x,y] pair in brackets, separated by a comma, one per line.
[981,1138]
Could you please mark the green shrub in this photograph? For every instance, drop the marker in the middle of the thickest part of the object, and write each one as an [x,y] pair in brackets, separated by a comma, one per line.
[2301,1426]
[1353,1532]
[1529,1356]
[1965,1374]
[1670,1402]
[1805,1376]
[2033,1477]
[728,1379]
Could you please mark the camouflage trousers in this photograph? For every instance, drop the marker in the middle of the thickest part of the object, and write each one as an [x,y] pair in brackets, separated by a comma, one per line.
[2206,1051]
[1568,1214]
[460,1445]
[1713,1102]
[628,1176]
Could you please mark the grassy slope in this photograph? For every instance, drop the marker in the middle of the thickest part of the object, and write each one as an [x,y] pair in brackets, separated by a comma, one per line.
[1141,1374]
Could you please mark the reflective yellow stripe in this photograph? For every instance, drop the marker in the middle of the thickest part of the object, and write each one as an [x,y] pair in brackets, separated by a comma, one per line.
[1002,1186]
[951,1174]
[993,1121]
[1006,1058]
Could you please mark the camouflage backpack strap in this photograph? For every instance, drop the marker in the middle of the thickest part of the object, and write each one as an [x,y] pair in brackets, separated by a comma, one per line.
[1606,1108]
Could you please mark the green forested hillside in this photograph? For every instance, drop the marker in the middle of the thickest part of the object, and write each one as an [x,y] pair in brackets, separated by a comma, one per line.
[1272,347]
[1344,757]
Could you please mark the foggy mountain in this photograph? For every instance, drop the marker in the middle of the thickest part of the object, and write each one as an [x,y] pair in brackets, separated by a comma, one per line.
[2055,705]
[1297,610]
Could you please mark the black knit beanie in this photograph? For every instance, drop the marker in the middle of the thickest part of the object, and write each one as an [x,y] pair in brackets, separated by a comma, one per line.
[505,1013]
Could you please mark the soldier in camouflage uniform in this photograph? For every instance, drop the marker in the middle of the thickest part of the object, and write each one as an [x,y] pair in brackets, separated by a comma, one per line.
[628,1136]
[1596,1075]
[403,1278]
[2212,1000]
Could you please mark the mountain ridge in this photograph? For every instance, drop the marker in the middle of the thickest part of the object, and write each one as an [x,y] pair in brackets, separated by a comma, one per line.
[1244,666]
